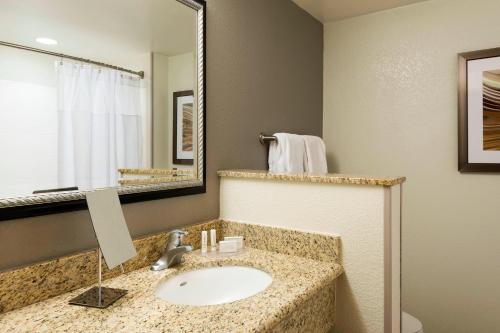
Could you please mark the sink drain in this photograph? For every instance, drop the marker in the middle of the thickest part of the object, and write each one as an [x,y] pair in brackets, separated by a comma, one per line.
[183,284]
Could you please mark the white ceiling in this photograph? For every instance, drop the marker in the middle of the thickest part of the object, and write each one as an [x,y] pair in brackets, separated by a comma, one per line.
[98,29]
[333,10]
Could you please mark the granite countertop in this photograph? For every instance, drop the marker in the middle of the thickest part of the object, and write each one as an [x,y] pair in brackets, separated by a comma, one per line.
[295,279]
[329,178]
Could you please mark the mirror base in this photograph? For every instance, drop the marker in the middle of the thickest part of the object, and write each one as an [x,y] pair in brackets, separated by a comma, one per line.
[90,298]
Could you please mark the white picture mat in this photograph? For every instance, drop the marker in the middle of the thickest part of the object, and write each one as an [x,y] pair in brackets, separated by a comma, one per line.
[181,154]
[475,69]
[110,227]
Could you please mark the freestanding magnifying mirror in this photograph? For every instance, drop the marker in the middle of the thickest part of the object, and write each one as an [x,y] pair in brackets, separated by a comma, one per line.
[115,244]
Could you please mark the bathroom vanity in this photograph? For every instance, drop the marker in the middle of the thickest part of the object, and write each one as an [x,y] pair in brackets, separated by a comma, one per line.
[301,296]
[364,210]
[292,225]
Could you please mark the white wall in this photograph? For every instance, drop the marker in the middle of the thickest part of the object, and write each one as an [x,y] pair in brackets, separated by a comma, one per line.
[28,122]
[181,76]
[170,74]
[390,107]
[356,213]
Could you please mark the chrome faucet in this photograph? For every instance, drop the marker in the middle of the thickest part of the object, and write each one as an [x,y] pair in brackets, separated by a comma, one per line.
[173,252]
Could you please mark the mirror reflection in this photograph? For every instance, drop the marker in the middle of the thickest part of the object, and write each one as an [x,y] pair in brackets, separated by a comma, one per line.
[96,94]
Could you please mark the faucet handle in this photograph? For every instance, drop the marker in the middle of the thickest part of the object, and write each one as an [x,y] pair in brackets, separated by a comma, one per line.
[179,232]
[176,236]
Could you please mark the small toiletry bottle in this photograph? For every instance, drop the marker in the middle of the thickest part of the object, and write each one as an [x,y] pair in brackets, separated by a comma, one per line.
[204,237]
[213,240]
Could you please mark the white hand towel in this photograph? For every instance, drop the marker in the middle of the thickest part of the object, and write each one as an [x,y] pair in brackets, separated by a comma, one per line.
[288,154]
[315,155]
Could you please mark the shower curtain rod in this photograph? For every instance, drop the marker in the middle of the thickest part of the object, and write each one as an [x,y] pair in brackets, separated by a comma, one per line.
[61,55]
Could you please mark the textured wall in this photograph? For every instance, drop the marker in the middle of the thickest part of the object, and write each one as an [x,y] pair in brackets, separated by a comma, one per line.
[161,111]
[264,74]
[354,212]
[27,74]
[390,98]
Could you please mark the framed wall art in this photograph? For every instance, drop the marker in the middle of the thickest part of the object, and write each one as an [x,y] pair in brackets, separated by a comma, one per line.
[183,127]
[479,111]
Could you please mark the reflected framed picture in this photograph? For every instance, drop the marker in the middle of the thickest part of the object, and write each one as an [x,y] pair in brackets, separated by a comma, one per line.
[183,151]
[479,111]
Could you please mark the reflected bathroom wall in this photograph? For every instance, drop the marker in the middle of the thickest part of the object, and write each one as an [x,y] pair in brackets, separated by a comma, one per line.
[74,124]
[170,74]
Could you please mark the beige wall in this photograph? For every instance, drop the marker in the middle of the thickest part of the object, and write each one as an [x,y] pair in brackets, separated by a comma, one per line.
[161,122]
[390,107]
[358,214]
[264,74]
[170,74]
[181,76]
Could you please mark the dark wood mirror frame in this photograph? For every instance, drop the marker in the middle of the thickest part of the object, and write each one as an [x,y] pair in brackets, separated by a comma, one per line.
[71,201]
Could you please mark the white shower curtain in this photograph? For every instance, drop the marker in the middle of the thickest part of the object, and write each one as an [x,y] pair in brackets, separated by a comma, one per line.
[99,124]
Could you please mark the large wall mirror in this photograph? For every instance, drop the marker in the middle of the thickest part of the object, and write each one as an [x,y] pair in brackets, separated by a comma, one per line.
[97,94]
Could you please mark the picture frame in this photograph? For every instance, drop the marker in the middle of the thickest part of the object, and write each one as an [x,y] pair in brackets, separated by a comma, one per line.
[479,111]
[183,135]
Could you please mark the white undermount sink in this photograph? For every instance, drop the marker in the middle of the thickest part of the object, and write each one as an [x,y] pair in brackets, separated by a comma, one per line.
[213,285]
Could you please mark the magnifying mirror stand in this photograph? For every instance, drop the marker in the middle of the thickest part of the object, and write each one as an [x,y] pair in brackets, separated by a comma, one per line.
[98,296]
